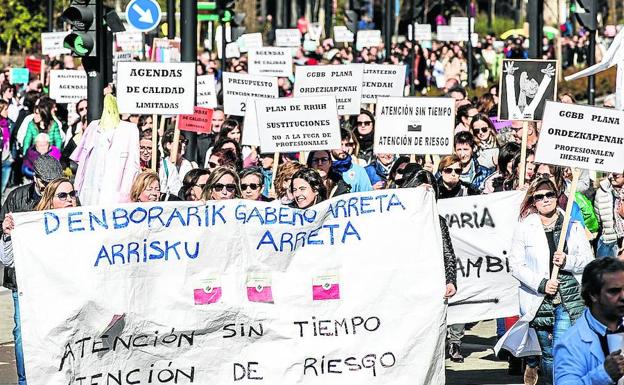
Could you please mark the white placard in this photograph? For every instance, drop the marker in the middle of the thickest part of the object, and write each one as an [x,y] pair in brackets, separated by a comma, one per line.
[481,229]
[585,137]
[343,81]
[342,34]
[290,37]
[448,33]
[68,86]
[298,124]
[414,125]
[270,61]
[237,87]
[249,41]
[206,92]
[129,40]
[250,136]
[52,43]
[156,88]
[314,31]
[368,38]
[163,290]
[423,32]
[382,80]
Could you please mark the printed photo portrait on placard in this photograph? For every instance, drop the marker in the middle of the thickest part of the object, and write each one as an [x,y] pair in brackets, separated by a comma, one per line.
[525,86]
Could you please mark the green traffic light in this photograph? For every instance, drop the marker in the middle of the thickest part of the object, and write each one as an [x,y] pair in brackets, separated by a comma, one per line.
[572,7]
[79,44]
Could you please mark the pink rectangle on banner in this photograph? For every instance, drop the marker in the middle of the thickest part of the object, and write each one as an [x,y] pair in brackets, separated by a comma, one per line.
[265,294]
[319,293]
[204,298]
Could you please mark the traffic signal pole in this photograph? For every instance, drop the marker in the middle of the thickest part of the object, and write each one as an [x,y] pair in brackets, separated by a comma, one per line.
[591,60]
[95,67]
[50,10]
[188,46]
[171,19]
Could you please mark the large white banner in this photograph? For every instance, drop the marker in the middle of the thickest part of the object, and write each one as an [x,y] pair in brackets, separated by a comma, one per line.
[382,80]
[481,229]
[238,88]
[270,61]
[586,137]
[342,81]
[156,88]
[414,125]
[68,86]
[217,292]
[298,124]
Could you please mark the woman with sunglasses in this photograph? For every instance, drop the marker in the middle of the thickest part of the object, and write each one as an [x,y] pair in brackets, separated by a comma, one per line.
[549,306]
[321,161]
[365,134]
[485,137]
[223,183]
[252,184]
[307,188]
[449,184]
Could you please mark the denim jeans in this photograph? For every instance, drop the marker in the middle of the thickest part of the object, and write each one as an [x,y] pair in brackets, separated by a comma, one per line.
[17,336]
[547,341]
[6,173]
[606,249]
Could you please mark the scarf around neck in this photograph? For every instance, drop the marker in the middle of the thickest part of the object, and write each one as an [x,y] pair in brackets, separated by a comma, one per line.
[342,165]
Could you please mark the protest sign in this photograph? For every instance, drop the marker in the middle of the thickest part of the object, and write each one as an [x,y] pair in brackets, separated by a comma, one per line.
[414,125]
[19,76]
[481,229]
[218,291]
[525,86]
[314,31]
[52,43]
[249,41]
[270,61]
[579,136]
[237,87]
[298,124]
[68,86]
[200,121]
[342,81]
[342,34]
[131,41]
[422,31]
[166,50]
[381,80]
[206,93]
[448,33]
[250,136]
[290,37]
[33,65]
[156,88]
[368,38]
[119,57]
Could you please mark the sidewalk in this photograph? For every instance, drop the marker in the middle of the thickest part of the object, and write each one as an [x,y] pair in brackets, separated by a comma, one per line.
[7,354]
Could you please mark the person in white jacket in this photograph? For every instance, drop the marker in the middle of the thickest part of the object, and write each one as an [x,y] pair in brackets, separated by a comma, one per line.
[548,307]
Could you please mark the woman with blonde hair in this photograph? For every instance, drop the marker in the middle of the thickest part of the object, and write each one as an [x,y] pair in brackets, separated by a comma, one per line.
[146,187]
[58,194]
[223,183]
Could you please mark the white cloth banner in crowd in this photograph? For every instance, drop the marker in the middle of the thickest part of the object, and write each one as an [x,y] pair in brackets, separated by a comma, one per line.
[270,61]
[68,86]
[342,81]
[382,80]
[290,37]
[298,124]
[580,136]
[482,228]
[238,87]
[413,125]
[230,290]
[52,43]
[206,92]
[156,88]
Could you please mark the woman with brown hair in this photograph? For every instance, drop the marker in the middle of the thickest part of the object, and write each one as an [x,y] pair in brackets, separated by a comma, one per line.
[223,183]
[145,188]
[58,194]
[449,184]
[283,180]
[485,138]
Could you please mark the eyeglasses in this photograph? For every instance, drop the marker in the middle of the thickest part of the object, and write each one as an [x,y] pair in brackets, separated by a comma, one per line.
[482,129]
[450,170]
[540,197]
[212,164]
[320,160]
[64,195]
[228,187]
[364,123]
[145,149]
[82,109]
[253,186]
[544,175]
[201,186]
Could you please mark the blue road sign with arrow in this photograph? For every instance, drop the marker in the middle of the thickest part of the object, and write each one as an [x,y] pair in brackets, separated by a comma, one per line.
[143,15]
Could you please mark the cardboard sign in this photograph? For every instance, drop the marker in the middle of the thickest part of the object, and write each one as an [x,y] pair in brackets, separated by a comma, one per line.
[203,290]
[342,34]
[237,87]
[200,121]
[52,43]
[19,76]
[249,41]
[156,88]
[131,41]
[206,93]
[414,125]
[68,86]
[585,137]
[381,80]
[368,38]
[298,124]
[342,81]
[33,65]
[290,37]
[270,61]
[250,136]
[525,86]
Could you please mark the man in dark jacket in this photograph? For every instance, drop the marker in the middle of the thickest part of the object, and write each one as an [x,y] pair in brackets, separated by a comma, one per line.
[472,172]
[25,198]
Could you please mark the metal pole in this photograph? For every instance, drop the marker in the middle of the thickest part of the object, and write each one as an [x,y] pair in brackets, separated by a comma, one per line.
[591,60]
[328,17]
[50,11]
[412,20]
[388,27]
[95,67]
[536,25]
[469,43]
[171,19]
[188,46]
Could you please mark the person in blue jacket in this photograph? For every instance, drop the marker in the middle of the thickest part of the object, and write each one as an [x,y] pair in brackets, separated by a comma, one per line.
[342,163]
[379,169]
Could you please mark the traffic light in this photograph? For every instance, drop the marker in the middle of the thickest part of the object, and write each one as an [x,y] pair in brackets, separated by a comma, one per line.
[586,14]
[82,16]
